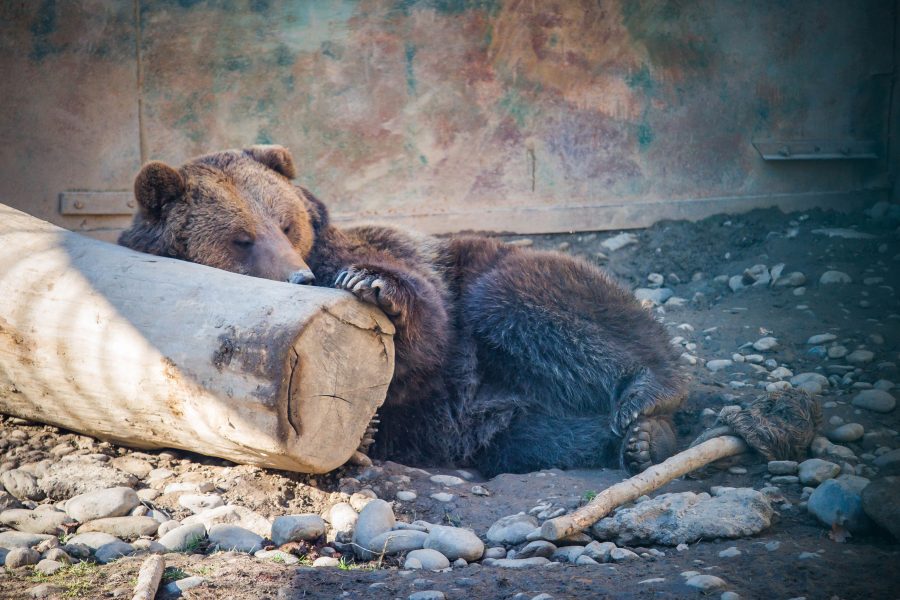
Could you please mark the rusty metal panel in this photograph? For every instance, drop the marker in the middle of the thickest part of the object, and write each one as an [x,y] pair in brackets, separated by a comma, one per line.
[435,113]
[818,149]
[97,203]
[455,114]
[68,105]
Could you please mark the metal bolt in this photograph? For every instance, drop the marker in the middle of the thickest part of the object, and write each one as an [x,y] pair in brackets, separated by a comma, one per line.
[130,204]
[79,204]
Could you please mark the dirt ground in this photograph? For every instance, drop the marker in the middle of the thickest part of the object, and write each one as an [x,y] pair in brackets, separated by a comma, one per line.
[794,558]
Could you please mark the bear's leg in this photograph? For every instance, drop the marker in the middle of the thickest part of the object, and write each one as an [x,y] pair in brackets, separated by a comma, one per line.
[418,312]
[542,441]
[570,341]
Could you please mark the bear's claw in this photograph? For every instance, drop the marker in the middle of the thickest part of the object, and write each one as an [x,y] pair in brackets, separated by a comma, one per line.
[649,441]
[372,287]
[368,438]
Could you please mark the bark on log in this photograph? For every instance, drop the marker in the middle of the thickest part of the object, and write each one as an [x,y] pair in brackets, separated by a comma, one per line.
[645,482]
[153,352]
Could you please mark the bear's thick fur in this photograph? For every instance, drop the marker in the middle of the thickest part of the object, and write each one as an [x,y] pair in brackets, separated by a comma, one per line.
[507,359]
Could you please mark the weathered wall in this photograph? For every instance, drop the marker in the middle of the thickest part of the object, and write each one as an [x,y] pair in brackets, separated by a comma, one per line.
[453,114]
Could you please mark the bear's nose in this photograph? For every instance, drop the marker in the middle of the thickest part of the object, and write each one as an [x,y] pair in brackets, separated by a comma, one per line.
[302,277]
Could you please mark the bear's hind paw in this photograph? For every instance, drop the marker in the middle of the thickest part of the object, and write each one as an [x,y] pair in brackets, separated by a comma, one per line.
[647,442]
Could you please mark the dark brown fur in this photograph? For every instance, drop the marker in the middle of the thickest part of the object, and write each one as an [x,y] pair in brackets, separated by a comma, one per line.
[780,426]
[507,358]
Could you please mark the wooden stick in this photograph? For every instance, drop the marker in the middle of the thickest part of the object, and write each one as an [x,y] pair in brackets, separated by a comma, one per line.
[149,577]
[152,352]
[643,483]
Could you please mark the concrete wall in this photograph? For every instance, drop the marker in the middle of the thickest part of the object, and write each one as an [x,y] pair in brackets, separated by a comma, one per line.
[447,115]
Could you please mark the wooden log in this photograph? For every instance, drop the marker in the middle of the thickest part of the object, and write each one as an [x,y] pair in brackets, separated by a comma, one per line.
[152,352]
[645,482]
[149,577]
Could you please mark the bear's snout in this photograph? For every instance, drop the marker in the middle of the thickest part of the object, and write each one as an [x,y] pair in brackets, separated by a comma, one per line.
[302,277]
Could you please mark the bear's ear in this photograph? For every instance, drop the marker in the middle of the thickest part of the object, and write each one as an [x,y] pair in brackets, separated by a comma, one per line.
[157,185]
[277,158]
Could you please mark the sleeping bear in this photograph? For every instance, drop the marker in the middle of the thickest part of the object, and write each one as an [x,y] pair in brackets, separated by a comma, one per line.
[507,359]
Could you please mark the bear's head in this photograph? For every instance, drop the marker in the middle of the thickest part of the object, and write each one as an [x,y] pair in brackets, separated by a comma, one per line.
[235,210]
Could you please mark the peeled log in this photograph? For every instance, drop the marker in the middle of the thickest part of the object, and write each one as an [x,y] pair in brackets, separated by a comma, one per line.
[153,352]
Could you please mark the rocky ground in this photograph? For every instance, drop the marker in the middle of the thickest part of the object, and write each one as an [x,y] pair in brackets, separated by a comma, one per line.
[754,303]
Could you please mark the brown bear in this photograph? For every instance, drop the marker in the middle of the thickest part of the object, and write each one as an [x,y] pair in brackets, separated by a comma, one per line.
[507,359]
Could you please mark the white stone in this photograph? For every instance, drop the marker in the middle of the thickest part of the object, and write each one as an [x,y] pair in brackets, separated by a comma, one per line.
[31,521]
[393,542]
[849,432]
[512,530]
[657,296]
[21,557]
[112,551]
[127,528]
[287,558]
[197,503]
[234,515]
[619,241]
[512,563]
[112,502]
[455,542]
[875,400]
[343,518]
[706,583]
[293,528]
[447,479]
[718,364]
[183,537]
[376,517]
[426,558]
[837,351]
[618,555]
[830,277]
[802,378]
[860,357]
[821,338]
[231,537]
[841,232]
[781,373]
[765,344]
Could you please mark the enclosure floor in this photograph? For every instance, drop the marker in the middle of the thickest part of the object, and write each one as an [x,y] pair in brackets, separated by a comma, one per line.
[864,312]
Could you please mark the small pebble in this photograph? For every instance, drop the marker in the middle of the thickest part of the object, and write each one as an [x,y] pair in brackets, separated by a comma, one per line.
[730,552]
[765,344]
